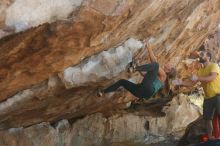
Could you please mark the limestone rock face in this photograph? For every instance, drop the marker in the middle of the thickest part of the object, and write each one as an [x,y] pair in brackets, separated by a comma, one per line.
[55,54]
[97,130]
[212,43]
[193,133]
[107,64]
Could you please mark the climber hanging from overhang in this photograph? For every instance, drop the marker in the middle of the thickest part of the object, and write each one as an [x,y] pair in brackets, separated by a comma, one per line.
[155,78]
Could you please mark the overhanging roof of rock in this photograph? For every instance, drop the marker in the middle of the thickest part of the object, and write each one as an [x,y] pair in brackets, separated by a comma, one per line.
[174,28]
[36,54]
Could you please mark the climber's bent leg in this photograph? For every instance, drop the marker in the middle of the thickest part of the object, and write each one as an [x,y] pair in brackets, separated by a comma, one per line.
[147,85]
[151,67]
[131,87]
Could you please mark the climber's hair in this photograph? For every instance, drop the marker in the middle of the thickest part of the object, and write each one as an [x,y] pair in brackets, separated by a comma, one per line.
[202,48]
[167,91]
[172,73]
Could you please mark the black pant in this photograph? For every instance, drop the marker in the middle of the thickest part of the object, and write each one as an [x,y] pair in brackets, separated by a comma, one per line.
[143,90]
[210,106]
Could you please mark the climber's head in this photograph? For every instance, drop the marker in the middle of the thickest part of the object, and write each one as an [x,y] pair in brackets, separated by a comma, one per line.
[170,71]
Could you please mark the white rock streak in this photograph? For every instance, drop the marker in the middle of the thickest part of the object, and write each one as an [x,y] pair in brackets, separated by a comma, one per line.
[107,64]
[23,14]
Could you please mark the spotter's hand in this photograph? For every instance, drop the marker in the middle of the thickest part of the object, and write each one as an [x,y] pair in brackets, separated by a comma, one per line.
[177,82]
[194,78]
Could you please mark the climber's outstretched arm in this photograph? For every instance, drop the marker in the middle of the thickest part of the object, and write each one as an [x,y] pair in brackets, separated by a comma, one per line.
[154,66]
[186,83]
[152,57]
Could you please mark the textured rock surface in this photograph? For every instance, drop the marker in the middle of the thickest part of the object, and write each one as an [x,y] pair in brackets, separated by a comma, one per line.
[193,133]
[51,68]
[23,14]
[171,29]
[57,98]
[107,64]
[31,90]
[98,130]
